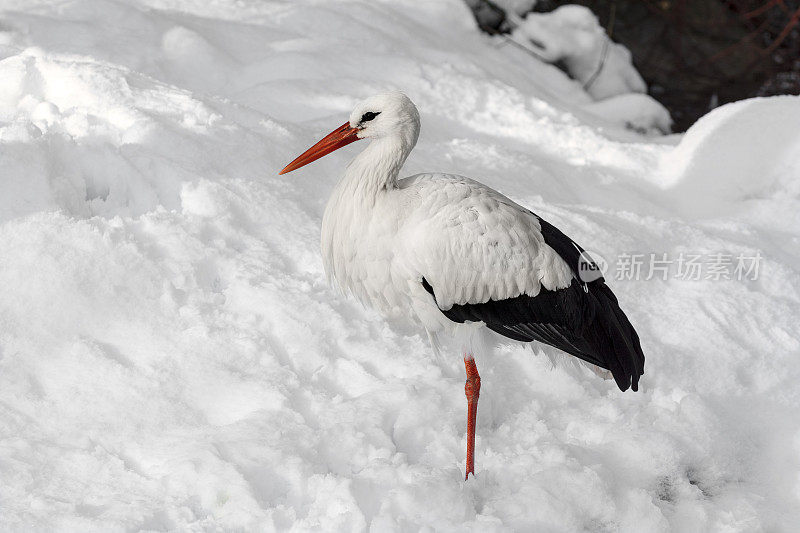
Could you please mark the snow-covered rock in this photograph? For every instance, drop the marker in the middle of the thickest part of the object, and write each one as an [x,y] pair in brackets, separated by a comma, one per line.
[172,358]
[573,35]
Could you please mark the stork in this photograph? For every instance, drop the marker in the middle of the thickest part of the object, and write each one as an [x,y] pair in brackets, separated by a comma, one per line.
[458,256]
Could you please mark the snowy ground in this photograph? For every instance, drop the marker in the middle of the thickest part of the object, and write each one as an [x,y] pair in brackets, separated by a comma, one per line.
[171,357]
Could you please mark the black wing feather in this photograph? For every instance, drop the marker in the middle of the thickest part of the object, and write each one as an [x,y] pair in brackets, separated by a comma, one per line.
[584,319]
[570,251]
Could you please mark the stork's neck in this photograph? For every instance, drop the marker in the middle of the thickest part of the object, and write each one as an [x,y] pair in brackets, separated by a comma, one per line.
[375,170]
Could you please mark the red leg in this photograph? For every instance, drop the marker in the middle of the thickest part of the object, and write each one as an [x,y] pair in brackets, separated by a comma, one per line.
[472,389]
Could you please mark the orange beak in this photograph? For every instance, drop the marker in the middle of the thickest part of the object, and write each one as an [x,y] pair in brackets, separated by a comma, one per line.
[341,136]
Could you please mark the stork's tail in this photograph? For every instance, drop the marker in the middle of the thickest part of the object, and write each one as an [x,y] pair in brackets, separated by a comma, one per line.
[614,340]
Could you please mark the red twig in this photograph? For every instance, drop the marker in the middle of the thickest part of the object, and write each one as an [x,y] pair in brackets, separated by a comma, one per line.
[759,10]
[789,25]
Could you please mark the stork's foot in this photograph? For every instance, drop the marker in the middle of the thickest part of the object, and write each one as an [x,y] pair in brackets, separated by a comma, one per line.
[472,389]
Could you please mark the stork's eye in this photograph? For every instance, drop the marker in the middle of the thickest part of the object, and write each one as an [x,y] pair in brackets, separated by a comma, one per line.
[369,115]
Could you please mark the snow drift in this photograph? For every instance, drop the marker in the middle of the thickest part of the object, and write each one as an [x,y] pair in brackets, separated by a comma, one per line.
[171,356]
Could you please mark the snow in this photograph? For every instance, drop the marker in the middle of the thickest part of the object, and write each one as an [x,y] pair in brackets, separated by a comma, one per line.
[172,358]
[572,35]
[520,7]
[770,191]
[635,111]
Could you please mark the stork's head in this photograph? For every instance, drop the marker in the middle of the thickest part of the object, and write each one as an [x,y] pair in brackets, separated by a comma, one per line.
[389,115]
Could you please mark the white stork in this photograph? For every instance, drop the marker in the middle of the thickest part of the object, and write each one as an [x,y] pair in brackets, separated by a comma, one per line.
[456,255]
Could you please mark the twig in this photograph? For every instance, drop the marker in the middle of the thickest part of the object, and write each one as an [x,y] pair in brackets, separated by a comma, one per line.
[600,65]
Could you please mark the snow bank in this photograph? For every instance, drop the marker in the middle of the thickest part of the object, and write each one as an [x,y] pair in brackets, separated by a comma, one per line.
[742,156]
[171,357]
[634,111]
